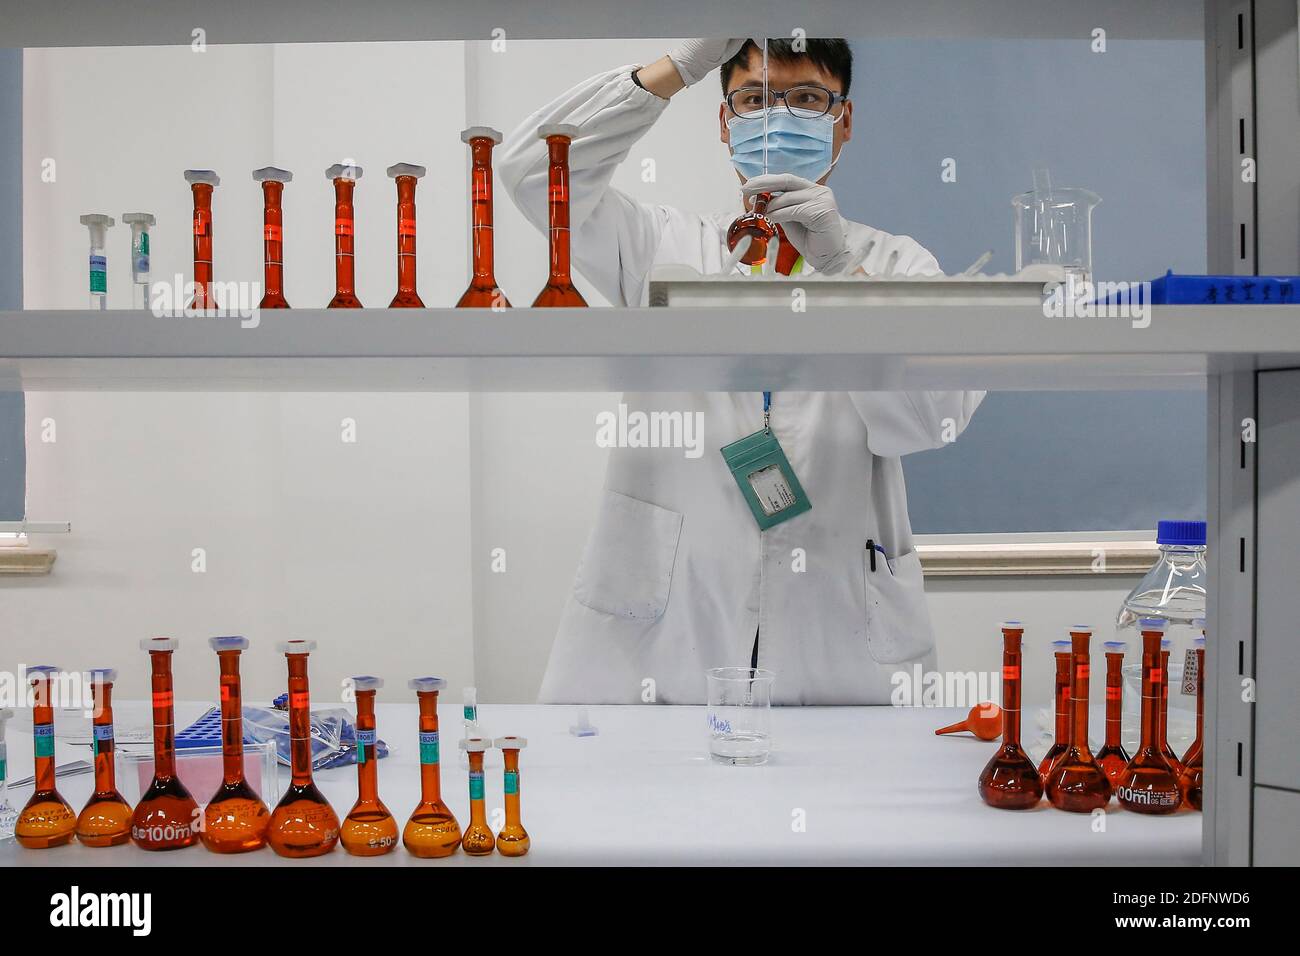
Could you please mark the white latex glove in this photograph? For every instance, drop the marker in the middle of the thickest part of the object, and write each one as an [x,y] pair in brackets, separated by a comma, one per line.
[809,216]
[696,59]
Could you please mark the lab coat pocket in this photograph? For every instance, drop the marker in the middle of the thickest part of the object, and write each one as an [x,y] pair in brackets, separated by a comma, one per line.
[627,567]
[898,620]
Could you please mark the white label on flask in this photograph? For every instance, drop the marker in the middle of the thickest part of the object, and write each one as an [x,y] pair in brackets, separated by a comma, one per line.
[1190,675]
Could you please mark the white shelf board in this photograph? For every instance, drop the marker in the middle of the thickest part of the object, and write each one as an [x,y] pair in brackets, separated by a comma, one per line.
[148,22]
[723,349]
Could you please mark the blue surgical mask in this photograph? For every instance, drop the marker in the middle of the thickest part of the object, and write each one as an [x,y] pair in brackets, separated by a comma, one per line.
[796,145]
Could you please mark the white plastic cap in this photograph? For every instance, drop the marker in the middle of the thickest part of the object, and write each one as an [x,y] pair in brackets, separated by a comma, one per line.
[366,683]
[1080,628]
[558,129]
[232,643]
[295,647]
[1011,626]
[131,218]
[208,176]
[510,743]
[154,644]
[480,132]
[341,171]
[475,744]
[405,169]
[425,685]
[41,670]
[102,675]
[272,174]
[96,219]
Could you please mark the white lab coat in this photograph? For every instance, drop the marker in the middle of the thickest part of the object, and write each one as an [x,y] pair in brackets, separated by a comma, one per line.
[676,576]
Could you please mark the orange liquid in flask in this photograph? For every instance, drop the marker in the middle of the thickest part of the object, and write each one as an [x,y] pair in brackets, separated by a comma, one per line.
[46,820]
[272,180]
[432,830]
[1061,743]
[303,822]
[483,292]
[235,819]
[1010,780]
[559,291]
[1077,782]
[1149,784]
[1112,756]
[167,817]
[513,838]
[1192,779]
[406,176]
[345,179]
[368,829]
[478,839]
[105,820]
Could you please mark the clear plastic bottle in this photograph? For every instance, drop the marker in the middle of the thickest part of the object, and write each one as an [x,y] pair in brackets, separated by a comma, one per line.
[1174,589]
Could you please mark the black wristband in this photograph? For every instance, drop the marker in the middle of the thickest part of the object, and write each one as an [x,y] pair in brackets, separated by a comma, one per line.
[636,79]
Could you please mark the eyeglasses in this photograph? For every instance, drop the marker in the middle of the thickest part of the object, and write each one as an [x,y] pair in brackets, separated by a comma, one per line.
[806,102]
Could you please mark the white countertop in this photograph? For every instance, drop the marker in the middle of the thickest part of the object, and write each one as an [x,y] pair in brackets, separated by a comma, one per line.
[874,785]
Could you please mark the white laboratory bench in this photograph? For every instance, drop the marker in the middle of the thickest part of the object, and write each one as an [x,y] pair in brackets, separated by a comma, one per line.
[873,784]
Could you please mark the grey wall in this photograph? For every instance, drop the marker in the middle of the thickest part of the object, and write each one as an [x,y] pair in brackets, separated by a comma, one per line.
[13,454]
[1127,124]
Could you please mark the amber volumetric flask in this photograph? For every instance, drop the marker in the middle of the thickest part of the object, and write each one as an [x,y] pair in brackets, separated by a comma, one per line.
[559,290]
[303,822]
[1077,782]
[1192,778]
[235,819]
[345,179]
[513,838]
[757,227]
[483,292]
[166,818]
[478,839]
[105,820]
[406,176]
[202,182]
[46,820]
[1112,756]
[1165,749]
[368,829]
[1061,743]
[1010,780]
[984,721]
[431,831]
[1149,784]
[272,180]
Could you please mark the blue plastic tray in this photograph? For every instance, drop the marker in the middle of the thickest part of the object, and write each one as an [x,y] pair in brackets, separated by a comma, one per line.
[1172,289]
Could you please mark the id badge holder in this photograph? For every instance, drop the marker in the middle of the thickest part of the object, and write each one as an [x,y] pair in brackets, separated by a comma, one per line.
[765,477]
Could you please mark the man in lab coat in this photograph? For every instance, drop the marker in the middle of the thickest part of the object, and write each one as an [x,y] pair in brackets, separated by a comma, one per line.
[677,576]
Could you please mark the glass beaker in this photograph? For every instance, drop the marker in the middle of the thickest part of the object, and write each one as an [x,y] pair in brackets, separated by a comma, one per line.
[740,715]
[1054,227]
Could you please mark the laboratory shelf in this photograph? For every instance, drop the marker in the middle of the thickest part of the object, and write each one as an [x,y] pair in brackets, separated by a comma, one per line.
[873,785]
[147,22]
[705,348]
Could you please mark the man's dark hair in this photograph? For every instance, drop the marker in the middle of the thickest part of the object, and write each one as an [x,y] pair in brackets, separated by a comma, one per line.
[833,56]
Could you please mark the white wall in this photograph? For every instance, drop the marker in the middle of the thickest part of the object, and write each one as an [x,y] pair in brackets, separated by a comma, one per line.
[380,550]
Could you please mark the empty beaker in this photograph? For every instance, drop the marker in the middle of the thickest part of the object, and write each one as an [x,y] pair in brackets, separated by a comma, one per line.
[1054,226]
[739,714]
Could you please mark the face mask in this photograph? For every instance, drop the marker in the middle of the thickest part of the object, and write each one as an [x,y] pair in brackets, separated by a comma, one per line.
[795,145]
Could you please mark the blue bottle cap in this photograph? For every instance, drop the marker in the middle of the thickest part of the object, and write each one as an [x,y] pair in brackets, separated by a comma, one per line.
[1185,533]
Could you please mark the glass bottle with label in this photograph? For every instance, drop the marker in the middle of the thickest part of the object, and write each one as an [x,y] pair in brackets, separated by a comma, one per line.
[344,177]
[166,817]
[105,820]
[513,839]
[432,830]
[303,823]
[368,829]
[1010,781]
[478,839]
[1149,784]
[559,290]
[235,819]
[46,820]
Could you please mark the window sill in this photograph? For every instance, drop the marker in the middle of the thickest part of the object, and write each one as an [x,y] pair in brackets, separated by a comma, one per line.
[28,561]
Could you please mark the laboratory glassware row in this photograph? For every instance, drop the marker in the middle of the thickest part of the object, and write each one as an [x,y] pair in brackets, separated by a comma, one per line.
[1153,781]
[483,291]
[235,819]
